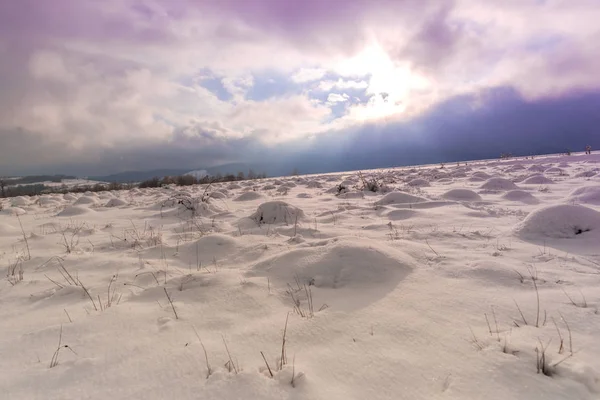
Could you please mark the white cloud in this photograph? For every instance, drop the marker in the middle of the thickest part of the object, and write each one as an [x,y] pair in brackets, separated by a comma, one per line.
[238,86]
[341,84]
[305,75]
[337,98]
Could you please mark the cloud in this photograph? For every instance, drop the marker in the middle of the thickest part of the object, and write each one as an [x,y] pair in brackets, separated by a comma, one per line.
[341,84]
[305,75]
[87,78]
[337,98]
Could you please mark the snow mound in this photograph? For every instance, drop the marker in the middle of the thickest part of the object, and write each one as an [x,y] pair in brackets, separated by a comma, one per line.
[352,195]
[249,196]
[202,251]
[20,201]
[314,185]
[8,230]
[522,196]
[538,180]
[277,212]
[115,202]
[586,174]
[344,274]
[499,184]
[461,195]
[69,197]
[399,198]
[47,201]
[491,273]
[269,187]
[586,194]
[482,175]
[189,207]
[554,170]
[419,182]
[537,168]
[71,211]
[560,221]
[85,200]
[399,215]
[217,195]
[13,211]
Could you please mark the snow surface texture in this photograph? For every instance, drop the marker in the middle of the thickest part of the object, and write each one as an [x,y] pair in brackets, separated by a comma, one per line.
[407,294]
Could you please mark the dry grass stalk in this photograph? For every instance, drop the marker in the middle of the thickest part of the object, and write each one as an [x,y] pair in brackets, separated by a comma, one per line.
[171,302]
[24,236]
[230,364]
[283,360]
[54,360]
[209,370]
[267,364]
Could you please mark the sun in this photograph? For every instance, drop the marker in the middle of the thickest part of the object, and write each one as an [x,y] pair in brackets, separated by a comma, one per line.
[390,82]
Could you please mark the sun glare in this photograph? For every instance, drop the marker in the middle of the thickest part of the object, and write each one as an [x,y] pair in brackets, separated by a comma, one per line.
[390,83]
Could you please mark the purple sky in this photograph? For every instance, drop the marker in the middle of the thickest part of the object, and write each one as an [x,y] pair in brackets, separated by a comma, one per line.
[92,86]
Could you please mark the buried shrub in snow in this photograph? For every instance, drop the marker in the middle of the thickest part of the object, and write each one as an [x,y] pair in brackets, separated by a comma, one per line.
[399,198]
[559,221]
[461,195]
[499,184]
[586,194]
[277,212]
[521,196]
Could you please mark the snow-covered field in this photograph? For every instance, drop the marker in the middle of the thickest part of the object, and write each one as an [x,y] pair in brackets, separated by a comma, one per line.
[468,282]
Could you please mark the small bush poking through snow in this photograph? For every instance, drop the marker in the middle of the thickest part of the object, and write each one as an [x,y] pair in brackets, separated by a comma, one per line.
[499,184]
[461,195]
[399,198]
[586,194]
[277,212]
[559,221]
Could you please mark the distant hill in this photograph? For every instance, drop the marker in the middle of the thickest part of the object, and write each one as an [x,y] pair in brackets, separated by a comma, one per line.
[138,176]
[24,180]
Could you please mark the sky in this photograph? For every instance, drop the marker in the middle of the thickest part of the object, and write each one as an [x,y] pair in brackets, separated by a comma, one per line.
[93,87]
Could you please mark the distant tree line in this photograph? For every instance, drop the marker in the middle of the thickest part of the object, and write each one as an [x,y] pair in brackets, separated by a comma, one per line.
[188,180]
[39,179]
[38,189]
[12,190]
